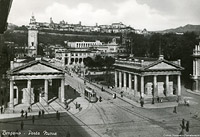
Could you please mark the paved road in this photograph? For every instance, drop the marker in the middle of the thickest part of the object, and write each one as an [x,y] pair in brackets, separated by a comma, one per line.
[109,118]
[114,117]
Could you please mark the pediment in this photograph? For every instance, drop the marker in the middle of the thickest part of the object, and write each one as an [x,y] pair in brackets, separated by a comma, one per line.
[38,68]
[162,65]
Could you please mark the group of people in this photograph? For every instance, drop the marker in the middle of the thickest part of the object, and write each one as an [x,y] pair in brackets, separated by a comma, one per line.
[41,113]
[185,125]
[24,113]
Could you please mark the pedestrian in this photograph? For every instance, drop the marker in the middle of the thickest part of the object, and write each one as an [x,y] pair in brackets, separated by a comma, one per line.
[141,102]
[22,113]
[183,123]
[1,110]
[121,93]
[187,126]
[39,113]
[26,114]
[57,114]
[43,113]
[33,119]
[152,100]
[22,125]
[158,99]
[175,110]
[100,99]
[29,109]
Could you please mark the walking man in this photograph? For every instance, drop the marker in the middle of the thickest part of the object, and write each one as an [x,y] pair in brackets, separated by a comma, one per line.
[33,119]
[39,113]
[22,113]
[43,113]
[1,110]
[26,114]
[22,125]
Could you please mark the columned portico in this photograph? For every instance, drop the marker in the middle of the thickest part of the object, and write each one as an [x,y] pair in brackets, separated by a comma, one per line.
[32,80]
[153,78]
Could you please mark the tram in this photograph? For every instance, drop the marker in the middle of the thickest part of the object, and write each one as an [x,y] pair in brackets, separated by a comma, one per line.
[90,94]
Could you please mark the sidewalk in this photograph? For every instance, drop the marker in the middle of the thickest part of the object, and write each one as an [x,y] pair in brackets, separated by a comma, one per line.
[135,101]
[193,92]
[50,109]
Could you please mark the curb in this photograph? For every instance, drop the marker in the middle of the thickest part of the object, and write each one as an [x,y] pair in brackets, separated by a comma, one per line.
[193,92]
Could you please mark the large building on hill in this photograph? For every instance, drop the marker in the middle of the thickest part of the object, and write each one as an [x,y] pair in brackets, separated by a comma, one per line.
[65,26]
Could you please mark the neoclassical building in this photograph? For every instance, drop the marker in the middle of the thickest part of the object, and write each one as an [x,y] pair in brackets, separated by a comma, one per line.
[196,71]
[35,80]
[148,78]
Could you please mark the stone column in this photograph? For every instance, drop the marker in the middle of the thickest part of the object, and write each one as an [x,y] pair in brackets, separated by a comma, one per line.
[11,94]
[116,79]
[179,85]
[62,88]
[196,68]
[120,79]
[155,85]
[135,85]
[46,92]
[130,81]
[167,85]
[125,80]
[29,92]
[142,86]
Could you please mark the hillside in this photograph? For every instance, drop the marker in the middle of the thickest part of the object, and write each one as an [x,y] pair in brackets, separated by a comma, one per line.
[184,29]
[19,35]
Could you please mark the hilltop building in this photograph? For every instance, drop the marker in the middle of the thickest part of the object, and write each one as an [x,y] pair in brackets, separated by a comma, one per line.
[65,26]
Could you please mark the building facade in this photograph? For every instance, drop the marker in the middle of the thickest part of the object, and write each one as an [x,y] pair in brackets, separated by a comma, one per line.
[35,81]
[149,78]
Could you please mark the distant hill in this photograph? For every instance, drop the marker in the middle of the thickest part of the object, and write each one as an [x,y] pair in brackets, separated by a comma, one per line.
[186,28]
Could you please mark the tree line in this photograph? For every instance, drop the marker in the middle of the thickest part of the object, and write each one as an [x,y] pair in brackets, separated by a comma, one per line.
[171,45]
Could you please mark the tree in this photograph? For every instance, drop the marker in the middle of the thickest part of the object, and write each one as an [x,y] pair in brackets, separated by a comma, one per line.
[88,62]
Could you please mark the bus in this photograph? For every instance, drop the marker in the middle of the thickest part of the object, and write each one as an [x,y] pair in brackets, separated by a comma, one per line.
[90,94]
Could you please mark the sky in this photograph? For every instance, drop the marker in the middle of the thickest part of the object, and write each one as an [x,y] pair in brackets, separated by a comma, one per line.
[139,14]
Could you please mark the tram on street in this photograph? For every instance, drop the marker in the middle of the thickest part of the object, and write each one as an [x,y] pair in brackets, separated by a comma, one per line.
[90,94]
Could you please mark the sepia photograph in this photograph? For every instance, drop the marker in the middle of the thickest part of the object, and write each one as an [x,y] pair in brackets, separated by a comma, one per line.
[99,68]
